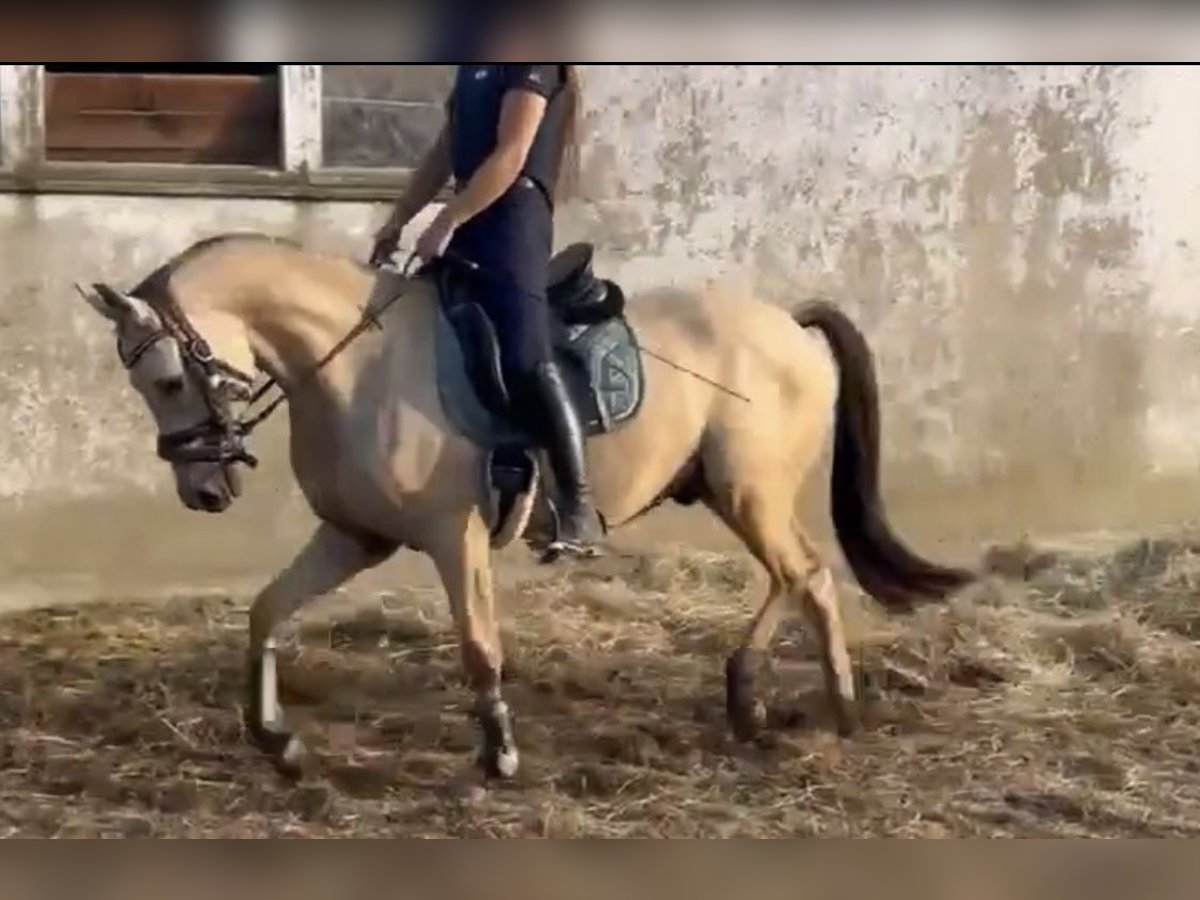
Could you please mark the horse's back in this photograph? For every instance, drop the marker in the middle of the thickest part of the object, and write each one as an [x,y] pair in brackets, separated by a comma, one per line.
[745,345]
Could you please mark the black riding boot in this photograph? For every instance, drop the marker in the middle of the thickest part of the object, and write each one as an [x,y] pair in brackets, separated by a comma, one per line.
[563,436]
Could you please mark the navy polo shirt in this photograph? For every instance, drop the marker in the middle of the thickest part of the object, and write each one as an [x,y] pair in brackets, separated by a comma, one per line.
[475,117]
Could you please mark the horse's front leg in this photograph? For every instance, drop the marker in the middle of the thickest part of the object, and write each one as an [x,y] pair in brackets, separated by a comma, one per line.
[329,560]
[463,559]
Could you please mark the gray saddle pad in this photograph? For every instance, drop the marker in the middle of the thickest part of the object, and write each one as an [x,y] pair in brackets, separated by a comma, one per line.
[602,362]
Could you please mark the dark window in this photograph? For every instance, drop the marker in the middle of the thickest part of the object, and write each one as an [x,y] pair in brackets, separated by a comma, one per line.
[164,113]
[382,116]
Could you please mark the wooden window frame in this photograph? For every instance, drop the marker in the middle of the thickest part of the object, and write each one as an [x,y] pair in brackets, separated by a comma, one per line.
[301,174]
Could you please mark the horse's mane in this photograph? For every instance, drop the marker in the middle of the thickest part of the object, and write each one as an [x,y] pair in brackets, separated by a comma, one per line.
[156,285]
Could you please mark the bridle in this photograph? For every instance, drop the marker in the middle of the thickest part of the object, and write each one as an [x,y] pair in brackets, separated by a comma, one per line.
[221,437]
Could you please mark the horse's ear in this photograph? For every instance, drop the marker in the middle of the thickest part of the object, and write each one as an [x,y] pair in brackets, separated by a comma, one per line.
[94,299]
[111,303]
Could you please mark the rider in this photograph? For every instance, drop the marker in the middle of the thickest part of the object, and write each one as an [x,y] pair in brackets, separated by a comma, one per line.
[509,139]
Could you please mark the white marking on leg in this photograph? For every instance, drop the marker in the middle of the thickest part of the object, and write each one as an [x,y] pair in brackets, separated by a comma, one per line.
[328,560]
[508,759]
[268,685]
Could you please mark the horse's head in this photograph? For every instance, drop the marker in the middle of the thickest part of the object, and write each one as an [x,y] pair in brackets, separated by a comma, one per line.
[188,389]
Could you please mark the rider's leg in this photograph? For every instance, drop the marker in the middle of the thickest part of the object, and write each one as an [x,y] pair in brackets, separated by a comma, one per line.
[511,243]
[544,406]
[563,436]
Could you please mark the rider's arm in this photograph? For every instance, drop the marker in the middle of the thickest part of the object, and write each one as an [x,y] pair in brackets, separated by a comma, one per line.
[427,181]
[521,113]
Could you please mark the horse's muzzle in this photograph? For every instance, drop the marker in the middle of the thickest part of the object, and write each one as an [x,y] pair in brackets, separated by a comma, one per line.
[213,501]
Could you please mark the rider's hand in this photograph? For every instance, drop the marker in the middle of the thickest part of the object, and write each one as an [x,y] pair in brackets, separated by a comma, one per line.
[387,239]
[432,242]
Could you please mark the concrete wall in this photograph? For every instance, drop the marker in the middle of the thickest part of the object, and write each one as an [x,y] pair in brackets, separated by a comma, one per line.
[1019,244]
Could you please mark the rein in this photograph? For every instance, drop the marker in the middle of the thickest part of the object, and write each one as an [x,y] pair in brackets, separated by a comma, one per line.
[369,320]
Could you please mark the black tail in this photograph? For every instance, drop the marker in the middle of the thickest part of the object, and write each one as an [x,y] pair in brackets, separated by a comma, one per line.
[883,565]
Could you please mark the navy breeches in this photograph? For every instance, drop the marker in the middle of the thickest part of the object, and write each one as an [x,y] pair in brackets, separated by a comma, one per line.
[510,242]
[522,322]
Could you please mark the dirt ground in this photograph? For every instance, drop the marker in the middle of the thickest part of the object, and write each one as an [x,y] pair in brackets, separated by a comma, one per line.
[1058,700]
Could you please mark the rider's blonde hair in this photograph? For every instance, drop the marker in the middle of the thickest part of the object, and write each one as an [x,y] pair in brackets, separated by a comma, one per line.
[567,183]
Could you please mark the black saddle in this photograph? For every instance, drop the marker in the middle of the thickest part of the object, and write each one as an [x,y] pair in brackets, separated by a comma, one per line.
[578,300]
[576,295]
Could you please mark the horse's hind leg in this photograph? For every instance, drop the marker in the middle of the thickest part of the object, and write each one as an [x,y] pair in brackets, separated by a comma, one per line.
[765,524]
[329,560]
[823,608]
[746,712]
[463,559]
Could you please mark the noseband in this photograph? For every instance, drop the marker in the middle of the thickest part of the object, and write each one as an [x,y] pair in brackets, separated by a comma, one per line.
[221,437]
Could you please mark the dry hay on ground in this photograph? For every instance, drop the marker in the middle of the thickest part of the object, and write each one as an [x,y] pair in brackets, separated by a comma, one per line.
[1063,705]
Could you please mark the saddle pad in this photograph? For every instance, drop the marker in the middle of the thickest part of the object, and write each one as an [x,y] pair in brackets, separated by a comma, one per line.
[602,363]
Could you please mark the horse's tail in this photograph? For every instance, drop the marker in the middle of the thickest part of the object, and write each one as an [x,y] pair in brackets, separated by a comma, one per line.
[885,568]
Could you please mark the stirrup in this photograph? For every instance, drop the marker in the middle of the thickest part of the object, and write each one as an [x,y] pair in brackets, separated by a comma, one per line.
[559,547]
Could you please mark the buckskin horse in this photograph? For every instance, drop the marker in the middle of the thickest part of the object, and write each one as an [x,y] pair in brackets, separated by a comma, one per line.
[400,438]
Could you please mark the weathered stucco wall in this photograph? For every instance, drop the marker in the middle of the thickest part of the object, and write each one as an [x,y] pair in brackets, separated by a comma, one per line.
[82,496]
[1018,243]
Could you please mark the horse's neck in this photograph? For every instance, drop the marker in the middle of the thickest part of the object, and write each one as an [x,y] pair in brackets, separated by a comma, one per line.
[292,320]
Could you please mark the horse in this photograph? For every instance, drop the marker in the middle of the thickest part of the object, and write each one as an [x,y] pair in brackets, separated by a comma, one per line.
[731,410]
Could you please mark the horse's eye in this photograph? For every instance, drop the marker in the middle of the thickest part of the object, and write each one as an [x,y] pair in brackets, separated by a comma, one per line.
[170,387]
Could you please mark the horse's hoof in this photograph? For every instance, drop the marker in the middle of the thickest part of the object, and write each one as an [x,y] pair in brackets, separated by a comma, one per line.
[286,750]
[747,715]
[290,761]
[747,721]
[849,722]
[502,764]
[498,756]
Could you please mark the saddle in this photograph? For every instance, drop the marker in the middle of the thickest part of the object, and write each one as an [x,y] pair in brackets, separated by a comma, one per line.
[593,343]
[580,303]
